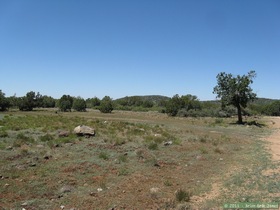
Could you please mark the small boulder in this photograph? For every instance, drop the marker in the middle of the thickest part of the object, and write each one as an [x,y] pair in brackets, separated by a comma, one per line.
[83,130]
[63,133]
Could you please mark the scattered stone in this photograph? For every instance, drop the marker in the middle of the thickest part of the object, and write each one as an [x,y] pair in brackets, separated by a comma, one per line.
[62,207]
[47,157]
[66,189]
[83,130]
[167,143]
[9,148]
[99,189]
[40,146]
[63,133]
[157,135]
[24,204]
[199,157]
[32,164]
[154,190]
[6,185]
[156,165]
[221,159]
[93,194]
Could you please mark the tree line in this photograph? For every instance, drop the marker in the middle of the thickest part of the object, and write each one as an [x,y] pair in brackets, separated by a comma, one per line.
[234,94]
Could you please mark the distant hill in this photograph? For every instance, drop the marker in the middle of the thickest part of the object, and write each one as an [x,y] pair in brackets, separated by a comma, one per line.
[151,98]
[158,98]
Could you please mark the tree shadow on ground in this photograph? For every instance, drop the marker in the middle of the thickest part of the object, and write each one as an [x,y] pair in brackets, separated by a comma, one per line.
[250,123]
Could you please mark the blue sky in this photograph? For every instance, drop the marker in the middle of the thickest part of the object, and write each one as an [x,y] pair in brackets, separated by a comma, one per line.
[137,47]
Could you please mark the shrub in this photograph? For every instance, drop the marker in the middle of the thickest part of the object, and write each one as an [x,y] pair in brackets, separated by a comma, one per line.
[79,104]
[104,156]
[182,195]
[106,105]
[46,137]
[153,146]
[3,134]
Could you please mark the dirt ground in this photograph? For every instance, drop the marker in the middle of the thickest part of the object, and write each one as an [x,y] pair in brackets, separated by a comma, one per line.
[214,159]
[274,139]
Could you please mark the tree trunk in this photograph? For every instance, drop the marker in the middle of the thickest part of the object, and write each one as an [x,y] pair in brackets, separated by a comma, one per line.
[239,113]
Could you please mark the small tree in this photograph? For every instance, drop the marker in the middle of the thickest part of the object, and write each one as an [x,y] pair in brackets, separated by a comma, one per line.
[65,103]
[106,105]
[4,102]
[235,91]
[93,102]
[48,102]
[28,102]
[184,103]
[79,104]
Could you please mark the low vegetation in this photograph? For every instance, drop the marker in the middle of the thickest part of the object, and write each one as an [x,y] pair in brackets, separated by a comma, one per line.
[166,163]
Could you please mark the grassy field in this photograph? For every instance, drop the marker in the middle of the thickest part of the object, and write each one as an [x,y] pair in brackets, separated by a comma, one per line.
[135,161]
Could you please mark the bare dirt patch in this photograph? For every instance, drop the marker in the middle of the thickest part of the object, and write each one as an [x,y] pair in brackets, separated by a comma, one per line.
[274,139]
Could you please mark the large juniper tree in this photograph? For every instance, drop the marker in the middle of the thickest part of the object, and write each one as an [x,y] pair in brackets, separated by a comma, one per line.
[235,91]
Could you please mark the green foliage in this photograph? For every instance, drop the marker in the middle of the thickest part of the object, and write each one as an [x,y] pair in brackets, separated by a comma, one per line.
[4,102]
[65,103]
[103,155]
[48,102]
[141,103]
[30,101]
[235,91]
[79,104]
[273,109]
[93,102]
[22,139]
[106,105]
[3,134]
[46,138]
[180,106]
[153,146]
[182,195]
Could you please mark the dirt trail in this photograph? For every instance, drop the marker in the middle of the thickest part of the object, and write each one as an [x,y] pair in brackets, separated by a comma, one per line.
[274,139]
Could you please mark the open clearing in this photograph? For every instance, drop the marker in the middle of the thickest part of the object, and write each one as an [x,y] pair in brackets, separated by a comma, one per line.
[127,165]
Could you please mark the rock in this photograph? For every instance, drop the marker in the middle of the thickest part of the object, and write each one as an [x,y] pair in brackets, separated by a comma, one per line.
[9,148]
[40,146]
[167,143]
[156,165]
[83,130]
[32,164]
[47,157]
[63,133]
[66,189]
[93,194]
[99,189]
[154,190]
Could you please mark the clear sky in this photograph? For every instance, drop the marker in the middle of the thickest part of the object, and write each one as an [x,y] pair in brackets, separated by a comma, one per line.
[137,47]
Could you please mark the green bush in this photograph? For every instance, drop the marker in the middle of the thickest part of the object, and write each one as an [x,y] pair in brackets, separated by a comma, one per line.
[106,105]
[104,156]
[182,195]
[79,104]
[153,146]
[46,138]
